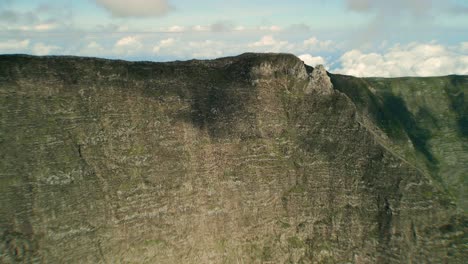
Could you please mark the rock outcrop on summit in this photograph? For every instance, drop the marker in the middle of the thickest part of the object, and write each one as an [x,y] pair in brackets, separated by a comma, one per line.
[319,81]
[256,158]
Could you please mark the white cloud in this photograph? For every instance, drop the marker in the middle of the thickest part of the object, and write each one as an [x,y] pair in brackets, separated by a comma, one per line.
[216,27]
[270,44]
[167,42]
[315,44]
[45,27]
[184,48]
[44,49]
[14,45]
[135,8]
[127,45]
[206,49]
[239,28]
[311,60]
[36,28]
[204,44]
[414,59]
[275,28]
[464,47]
[200,28]
[270,28]
[163,44]
[174,29]
[92,49]
[127,41]
[264,41]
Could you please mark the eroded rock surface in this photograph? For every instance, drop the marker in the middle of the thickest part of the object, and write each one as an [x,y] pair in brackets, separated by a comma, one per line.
[319,82]
[248,159]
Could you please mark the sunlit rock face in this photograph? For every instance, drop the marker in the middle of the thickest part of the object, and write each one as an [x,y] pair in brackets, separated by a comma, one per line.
[249,159]
[319,82]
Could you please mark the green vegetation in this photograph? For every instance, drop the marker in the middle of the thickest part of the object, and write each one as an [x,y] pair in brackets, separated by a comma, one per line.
[456,93]
[403,118]
[283,224]
[429,113]
[295,242]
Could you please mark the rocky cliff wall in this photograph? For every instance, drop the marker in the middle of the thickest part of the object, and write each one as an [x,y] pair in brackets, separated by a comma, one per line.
[248,159]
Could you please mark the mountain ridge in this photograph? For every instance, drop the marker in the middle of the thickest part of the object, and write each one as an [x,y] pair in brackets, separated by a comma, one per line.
[245,54]
[190,155]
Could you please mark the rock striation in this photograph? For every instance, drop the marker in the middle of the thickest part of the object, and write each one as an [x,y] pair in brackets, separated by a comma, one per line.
[249,159]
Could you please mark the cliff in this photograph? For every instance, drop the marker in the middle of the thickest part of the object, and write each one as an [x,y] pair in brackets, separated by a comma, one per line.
[249,159]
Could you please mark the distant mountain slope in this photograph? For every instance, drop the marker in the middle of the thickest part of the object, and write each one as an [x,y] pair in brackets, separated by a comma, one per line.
[248,159]
[426,120]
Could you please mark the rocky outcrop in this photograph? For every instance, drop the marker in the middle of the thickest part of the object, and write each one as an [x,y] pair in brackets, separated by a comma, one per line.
[319,82]
[247,159]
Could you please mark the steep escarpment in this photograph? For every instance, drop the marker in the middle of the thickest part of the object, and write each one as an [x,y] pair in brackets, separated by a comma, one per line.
[248,159]
[421,119]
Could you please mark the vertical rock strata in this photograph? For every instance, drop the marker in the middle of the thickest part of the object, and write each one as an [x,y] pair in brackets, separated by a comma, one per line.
[248,159]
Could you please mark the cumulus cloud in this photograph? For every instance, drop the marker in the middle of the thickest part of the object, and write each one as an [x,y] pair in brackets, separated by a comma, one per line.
[464,47]
[163,44]
[174,29]
[239,28]
[13,45]
[127,41]
[45,26]
[270,44]
[200,28]
[264,41]
[135,8]
[315,44]
[227,26]
[415,59]
[185,49]
[207,48]
[92,49]
[128,45]
[311,60]
[44,49]
[273,28]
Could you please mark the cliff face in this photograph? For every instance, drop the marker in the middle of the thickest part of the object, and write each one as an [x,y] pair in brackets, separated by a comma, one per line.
[246,159]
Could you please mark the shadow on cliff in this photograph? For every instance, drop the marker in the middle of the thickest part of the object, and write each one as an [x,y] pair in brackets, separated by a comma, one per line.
[390,113]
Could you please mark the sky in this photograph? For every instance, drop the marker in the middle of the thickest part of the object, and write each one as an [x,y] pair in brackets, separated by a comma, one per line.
[357,37]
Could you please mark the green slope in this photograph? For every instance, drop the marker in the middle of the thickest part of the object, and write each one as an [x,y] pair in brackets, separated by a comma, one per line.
[425,120]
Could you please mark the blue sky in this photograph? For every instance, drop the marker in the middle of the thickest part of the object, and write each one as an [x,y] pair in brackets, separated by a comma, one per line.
[359,37]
